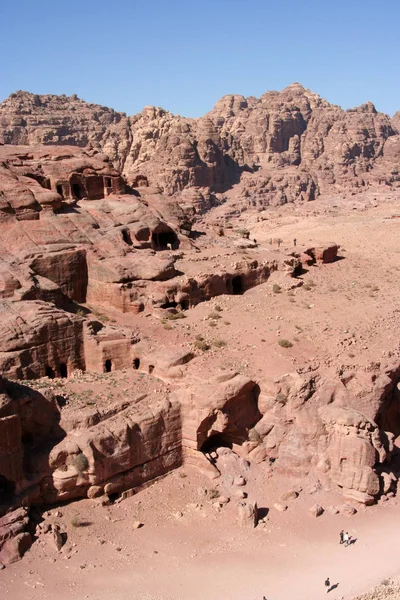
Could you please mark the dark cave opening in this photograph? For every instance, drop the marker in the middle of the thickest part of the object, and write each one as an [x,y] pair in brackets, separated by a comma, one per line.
[237,285]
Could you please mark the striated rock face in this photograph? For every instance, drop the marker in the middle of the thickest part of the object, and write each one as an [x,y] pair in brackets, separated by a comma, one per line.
[14,539]
[97,448]
[29,119]
[282,147]
[37,339]
[309,423]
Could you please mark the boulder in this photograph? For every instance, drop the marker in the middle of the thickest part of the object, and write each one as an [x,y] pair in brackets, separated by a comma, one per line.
[247,515]
[315,510]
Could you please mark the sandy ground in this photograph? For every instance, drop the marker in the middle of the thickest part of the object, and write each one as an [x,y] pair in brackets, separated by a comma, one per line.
[187,548]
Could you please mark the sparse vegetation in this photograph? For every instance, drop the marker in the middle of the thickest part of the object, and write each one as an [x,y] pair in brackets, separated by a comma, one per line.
[176,316]
[81,463]
[202,345]
[213,494]
[218,308]
[285,343]
[214,315]
[276,288]
[76,521]
[254,436]
[281,398]
[243,232]
[219,343]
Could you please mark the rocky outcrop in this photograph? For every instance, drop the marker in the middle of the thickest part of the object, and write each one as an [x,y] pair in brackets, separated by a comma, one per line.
[309,424]
[30,119]
[15,540]
[282,147]
[37,339]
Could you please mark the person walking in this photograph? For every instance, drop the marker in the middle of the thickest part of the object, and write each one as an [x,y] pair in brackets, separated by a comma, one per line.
[327,584]
[294,242]
[341,535]
[346,538]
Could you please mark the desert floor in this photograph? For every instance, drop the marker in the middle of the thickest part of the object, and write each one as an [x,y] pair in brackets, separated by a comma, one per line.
[187,549]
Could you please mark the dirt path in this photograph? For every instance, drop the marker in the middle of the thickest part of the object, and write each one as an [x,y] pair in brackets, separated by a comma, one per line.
[191,551]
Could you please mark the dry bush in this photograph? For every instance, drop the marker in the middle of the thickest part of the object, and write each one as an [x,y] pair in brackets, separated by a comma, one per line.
[276,288]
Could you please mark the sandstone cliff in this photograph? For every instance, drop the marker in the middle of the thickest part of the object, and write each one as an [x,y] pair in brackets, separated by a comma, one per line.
[294,144]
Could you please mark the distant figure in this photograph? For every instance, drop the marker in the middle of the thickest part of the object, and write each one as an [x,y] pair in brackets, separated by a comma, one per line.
[294,242]
[270,241]
[169,246]
[255,241]
[341,534]
[279,242]
[327,584]
[346,539]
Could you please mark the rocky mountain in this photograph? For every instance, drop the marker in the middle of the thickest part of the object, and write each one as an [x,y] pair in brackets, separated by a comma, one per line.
[282,147]
[99,265]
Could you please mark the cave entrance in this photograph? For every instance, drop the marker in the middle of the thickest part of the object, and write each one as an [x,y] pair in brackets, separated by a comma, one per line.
[136,363]
[126,237]
[107,182]
[237,286]
[214,442]
[63,370]
[78,191]
[108,366]
[169,305]
[60,190]
[7,489]
[151,369]
[164,239]
[50,373]
[184,302]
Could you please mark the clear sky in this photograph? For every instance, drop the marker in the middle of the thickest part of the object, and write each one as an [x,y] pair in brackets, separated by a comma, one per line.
[184,55]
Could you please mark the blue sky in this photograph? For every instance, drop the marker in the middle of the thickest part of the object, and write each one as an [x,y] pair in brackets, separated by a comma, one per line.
[184,55]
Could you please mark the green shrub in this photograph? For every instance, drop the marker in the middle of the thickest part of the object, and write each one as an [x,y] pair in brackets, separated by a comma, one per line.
[285,343]
[214,315]
[281,398]
[219,343]
[176,316]
[75,521]
[218,308]
[254,436]
[213,494]
[202,345]
[81,463]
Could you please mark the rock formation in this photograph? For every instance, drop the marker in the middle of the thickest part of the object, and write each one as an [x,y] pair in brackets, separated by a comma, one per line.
[282,147]
[98,210]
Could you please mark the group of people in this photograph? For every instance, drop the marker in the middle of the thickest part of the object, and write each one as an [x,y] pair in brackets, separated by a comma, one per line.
[279,241]
[344,538]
